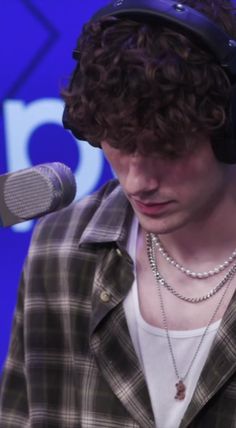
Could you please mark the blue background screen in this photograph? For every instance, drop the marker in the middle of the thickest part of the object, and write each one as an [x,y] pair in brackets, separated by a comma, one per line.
[36,44]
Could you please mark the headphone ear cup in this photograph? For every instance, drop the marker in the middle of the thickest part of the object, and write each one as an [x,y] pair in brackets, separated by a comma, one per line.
[226,151]
[233,121]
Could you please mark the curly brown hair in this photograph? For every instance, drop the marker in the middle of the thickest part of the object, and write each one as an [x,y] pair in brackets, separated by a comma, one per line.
[139,85]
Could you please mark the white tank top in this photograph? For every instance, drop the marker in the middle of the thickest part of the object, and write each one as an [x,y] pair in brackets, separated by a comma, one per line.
[152,349]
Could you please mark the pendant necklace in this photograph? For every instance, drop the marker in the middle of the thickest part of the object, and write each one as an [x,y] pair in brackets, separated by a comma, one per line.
[180,384]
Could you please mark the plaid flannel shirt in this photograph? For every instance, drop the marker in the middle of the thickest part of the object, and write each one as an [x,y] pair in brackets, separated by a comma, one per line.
[71,362]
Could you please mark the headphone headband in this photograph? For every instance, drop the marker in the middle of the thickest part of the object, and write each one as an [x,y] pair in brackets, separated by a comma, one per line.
[181,17]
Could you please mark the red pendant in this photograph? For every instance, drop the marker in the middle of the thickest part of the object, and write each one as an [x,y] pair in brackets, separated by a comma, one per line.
[180,390]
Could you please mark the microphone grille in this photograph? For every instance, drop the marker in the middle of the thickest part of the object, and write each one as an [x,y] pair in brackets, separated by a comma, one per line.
[39,190]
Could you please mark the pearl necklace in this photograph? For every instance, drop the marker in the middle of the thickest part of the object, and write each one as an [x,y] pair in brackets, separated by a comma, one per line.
[154,266]
[180,385]
[188,272]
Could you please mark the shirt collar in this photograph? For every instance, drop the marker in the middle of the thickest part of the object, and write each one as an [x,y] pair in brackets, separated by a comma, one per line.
[111,220]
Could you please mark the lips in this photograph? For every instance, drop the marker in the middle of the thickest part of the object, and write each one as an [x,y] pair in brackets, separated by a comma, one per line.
[150,208]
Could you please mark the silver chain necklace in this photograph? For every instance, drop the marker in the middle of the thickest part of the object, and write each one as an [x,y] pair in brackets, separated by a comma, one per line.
[151,242]
[180,385]
[188,272]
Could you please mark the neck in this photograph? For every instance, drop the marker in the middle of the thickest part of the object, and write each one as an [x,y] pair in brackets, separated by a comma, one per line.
[210,236]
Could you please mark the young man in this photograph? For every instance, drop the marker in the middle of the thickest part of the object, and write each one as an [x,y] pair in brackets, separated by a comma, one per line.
[126,312]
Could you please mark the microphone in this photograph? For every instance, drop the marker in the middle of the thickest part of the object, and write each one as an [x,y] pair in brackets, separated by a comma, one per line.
[33,192]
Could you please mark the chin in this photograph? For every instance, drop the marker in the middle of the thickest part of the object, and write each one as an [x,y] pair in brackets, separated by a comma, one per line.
[161,226]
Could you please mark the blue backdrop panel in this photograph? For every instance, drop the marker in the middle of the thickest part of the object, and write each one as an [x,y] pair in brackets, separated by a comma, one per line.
[36,43]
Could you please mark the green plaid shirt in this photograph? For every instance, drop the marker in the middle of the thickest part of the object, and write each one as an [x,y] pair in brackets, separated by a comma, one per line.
[71,362]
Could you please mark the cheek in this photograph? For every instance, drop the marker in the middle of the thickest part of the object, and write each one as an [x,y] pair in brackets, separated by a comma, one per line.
[189,179]
[200,185]
[197,168]
[117,166]
[119,162]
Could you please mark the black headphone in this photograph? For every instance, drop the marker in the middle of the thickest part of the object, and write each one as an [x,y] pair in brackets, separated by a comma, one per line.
[190,22]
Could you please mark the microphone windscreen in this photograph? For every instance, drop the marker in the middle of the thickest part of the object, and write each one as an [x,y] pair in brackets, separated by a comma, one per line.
[36,191]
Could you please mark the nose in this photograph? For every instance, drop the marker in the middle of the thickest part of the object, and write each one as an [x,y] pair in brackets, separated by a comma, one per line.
[143,175]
